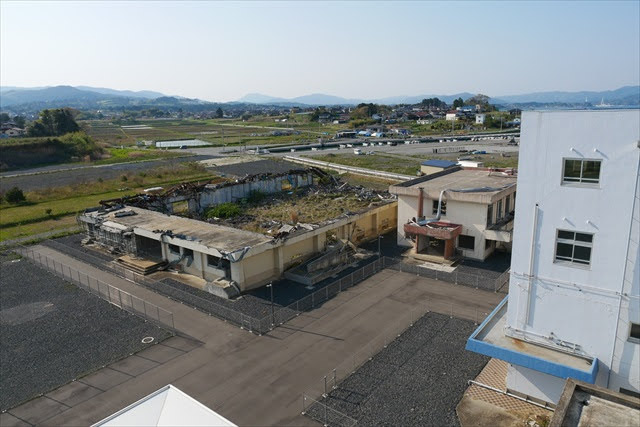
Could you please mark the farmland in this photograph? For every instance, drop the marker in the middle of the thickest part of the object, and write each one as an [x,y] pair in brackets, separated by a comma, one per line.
[55,208]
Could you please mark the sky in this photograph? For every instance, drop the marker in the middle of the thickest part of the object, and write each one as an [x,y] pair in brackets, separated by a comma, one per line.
[221,51]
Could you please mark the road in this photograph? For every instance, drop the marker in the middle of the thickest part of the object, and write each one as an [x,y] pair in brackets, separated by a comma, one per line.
[249,379]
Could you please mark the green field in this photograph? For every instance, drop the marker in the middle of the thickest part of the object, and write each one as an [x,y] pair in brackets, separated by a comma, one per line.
[381,162]
[56,208]
[219,132]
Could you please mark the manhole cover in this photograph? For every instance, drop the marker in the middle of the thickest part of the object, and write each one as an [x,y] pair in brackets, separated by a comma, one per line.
[147,340]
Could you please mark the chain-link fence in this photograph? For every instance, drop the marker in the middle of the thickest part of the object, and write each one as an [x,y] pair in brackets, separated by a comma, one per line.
[325,414]
[115,296]
[489,282]
[253,324]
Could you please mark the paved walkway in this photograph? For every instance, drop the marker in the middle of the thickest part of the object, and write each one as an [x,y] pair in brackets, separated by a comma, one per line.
[249,379]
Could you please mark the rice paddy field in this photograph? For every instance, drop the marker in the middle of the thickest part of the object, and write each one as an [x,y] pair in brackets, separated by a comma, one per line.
[258,131]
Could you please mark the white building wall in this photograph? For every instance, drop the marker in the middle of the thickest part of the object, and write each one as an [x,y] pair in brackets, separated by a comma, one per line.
[472,217]
[579,305]
[533,383]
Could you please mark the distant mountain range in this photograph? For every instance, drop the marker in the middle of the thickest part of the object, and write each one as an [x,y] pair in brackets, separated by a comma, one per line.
[10,95]
[33,99]
[628,95]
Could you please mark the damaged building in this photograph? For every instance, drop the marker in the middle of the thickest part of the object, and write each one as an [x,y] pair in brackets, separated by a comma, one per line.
[456,212]
[302,221]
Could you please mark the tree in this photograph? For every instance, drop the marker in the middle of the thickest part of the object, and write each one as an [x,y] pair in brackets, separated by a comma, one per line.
[433,103]
[4,118]
[15,195]
[458,102]
[19,121]
[54,123]
[219,113]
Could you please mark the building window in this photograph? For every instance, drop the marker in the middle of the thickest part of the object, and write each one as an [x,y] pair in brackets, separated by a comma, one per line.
[466,242]
[174,249]
[489,215]
[187,252]
[499,212]
[507,207]
[630,392]
[634,333]
[443,208]
[581,171]
[574,247]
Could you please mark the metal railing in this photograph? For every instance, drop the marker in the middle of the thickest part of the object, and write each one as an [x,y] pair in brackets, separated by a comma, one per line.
[495,284]
[109,293]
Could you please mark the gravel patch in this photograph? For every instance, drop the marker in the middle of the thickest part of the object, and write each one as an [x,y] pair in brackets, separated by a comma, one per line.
[52,332]
[417,380]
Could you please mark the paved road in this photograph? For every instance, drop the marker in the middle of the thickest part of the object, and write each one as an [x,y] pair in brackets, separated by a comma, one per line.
[258,380]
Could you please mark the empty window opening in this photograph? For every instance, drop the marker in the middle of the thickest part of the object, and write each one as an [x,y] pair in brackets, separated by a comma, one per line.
[466,242]
[634,333]
[574,247]
[174,249]
[581,171]
[489,215]
[187,252]
[443,208]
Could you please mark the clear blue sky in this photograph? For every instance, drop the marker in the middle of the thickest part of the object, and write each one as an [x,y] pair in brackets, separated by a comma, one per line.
[221,51]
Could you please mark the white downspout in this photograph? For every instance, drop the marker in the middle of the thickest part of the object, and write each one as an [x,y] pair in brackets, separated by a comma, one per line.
[532,259]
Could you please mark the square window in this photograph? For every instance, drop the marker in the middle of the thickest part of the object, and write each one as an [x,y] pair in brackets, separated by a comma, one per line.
[466,242]
[443,208]
[573,247]
[581,171]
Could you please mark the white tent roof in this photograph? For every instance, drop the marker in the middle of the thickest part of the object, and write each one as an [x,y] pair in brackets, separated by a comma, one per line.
[168,406]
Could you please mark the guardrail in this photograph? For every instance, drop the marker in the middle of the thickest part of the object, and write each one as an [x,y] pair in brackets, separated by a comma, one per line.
[358,171]
[324,414]
[109,293]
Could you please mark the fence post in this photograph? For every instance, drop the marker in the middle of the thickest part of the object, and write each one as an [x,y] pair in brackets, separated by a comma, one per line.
[303,399]
[325,387]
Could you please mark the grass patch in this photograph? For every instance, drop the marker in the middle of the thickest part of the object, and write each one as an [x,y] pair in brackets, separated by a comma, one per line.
[57,208]
[122,155]
[376,161]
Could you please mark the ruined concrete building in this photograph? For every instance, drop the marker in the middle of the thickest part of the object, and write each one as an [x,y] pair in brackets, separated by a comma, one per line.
[296,216]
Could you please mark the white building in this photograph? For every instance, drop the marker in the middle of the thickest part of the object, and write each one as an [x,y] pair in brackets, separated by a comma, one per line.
[573,309]
[451,117]
[480,119]
[475,215]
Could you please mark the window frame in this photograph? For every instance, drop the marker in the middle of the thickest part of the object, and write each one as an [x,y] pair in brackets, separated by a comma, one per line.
[572,262]
[580,182]
[443,208]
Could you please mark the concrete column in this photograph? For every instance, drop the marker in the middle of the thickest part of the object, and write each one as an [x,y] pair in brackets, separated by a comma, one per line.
[449,247]
[164,248]
[237,274]
[278,259]
[316,244]
[203,263]
[374,224]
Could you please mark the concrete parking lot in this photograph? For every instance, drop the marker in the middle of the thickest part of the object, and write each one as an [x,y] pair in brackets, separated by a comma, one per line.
[258,380]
